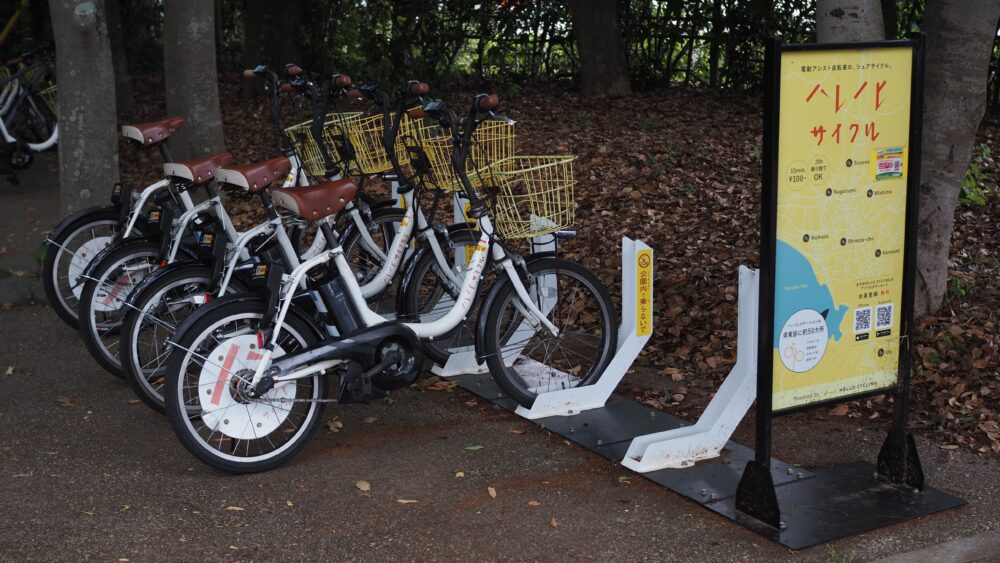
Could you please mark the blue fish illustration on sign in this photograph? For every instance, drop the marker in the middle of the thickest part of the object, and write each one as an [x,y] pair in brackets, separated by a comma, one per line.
[796,288]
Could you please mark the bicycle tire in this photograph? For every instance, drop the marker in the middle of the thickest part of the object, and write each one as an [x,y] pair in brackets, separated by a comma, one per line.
[495,327]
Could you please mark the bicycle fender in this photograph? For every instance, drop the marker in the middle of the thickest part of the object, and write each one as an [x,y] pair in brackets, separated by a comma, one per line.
[294,309]
[160,272]
[491,297]
[63,225]
[114,246]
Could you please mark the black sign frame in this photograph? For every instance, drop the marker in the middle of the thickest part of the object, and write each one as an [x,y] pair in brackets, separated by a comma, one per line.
[898,462]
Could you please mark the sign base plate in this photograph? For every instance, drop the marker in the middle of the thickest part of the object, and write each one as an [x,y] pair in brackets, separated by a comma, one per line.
[816,507]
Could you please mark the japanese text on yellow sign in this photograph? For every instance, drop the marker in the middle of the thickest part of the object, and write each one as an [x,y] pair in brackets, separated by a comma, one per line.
[843,138]
[644,293]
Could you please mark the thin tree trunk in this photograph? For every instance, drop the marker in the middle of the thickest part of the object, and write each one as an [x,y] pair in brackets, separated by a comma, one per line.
[190,76]
[269,38]
[849,20]
[889,15]
[713,50]
[123,88]
[960,35]
[88,136]
[603,66]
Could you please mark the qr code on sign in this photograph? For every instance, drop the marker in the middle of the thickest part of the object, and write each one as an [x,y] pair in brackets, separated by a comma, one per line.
[883,316]
[863,319]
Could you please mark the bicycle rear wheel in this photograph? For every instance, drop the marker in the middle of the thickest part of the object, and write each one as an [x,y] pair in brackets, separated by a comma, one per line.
[158,306]
[69,250]
[206,390]
[526,361]
[104,297]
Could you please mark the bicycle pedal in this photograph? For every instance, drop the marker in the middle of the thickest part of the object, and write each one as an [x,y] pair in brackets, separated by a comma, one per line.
[356,386]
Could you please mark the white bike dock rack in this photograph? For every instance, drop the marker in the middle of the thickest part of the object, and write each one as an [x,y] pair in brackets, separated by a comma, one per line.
[574,400]
[682,447]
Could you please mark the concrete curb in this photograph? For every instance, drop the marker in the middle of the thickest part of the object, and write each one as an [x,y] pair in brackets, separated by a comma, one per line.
[981,547]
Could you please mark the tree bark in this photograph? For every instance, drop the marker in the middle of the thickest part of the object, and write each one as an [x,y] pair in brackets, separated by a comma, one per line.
[116,35]
[88,136]
[190,76]
[960,35]
[603,66]
[849,20]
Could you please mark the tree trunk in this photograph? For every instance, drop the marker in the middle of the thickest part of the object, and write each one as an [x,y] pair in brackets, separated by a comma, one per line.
[269,38]
[889,17]
[190,77]
[603,66]
[849,20]
[713,49]
[960,36]
[88,136]
[116,35]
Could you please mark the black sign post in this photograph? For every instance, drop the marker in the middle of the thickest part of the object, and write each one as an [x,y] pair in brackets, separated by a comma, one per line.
[891,490]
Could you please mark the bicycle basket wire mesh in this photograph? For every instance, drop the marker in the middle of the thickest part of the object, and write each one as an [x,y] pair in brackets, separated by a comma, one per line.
[50,96]
[306,147]
[493,141]
[530,196]
[365,135]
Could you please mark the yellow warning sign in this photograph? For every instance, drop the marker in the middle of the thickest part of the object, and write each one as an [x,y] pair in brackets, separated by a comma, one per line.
[644,293]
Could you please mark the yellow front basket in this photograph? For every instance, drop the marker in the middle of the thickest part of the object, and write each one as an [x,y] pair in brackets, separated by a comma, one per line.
[530,196]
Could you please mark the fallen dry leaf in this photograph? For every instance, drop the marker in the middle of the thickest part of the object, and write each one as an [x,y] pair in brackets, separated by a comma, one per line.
[363,485]
[334,425]
[839,410]
[235,508]
[406,501]
[289,503]
[534,503]
[516,431]
[492,491]
[554,523]
[460,474]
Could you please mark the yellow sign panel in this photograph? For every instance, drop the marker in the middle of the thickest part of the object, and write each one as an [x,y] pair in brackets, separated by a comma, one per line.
[644,293]
[843,134]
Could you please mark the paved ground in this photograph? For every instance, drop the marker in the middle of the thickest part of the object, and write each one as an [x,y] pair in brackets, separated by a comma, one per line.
[86,473]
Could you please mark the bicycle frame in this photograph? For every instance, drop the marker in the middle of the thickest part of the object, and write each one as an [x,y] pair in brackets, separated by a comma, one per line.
[430,330]
[13,94]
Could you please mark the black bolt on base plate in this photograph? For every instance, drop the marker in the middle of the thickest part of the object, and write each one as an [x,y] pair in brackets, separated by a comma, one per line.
[816,507]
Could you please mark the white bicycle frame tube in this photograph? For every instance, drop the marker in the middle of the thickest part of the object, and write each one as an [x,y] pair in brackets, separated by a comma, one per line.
[144,196]
[237,254]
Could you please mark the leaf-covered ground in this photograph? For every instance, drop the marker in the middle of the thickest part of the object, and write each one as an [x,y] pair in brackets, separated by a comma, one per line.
[680,170]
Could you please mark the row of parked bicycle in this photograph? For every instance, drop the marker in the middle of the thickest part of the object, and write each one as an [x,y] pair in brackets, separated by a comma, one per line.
[239,336]
[29,121]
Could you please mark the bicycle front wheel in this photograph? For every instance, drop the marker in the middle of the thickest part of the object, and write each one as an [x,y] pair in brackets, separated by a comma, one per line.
[527,360]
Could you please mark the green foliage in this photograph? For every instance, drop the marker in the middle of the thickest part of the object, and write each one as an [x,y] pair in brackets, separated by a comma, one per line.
[833,556]
[959,287]
[979,180]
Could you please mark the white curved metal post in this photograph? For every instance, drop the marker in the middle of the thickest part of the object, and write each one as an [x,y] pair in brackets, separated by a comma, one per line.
[682,447]
[635,330]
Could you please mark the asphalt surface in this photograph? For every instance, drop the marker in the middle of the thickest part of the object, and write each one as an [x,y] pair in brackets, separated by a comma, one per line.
[88,473]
